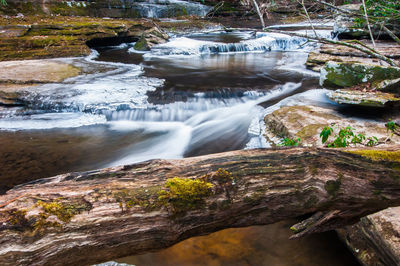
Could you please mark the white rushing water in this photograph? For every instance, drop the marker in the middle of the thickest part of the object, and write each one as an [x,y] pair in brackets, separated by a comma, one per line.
[168,8]
[118,97]
[260,42]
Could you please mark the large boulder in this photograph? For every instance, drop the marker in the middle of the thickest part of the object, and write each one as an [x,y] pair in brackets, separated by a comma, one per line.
[337,74]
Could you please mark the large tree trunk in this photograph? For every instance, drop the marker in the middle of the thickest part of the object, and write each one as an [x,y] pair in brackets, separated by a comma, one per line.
[90,217]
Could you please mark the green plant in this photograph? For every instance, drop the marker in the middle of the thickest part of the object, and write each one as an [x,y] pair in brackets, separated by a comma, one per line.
[3,2]
[391,126]
[345,137]
[358,139]
[372,141]
[289,142]
[325,133]
[342,139]
[383,9]
[379,11]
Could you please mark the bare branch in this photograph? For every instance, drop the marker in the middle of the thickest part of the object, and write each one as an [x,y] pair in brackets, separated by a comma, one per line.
[259,13]
[369,26]
[367,51]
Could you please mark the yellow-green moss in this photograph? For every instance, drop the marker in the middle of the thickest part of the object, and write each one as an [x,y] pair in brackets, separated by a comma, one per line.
[42,223]
[377,155]
[64,212]
[17,218]
[222,176]
[184,194]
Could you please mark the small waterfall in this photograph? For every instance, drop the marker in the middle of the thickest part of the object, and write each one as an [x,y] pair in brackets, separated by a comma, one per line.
[232,121]
[183,46]
[180,111]
[167,8]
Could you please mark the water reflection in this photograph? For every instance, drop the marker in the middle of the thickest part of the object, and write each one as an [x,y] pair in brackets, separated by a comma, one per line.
[257,245]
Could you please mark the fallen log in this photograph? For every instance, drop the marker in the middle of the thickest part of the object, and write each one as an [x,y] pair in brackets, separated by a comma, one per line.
[90,217]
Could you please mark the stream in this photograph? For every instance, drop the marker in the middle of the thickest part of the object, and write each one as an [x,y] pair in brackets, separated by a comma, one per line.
[199,93]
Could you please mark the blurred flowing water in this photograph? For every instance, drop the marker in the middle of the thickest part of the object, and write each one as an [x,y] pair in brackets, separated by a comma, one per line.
[197,94]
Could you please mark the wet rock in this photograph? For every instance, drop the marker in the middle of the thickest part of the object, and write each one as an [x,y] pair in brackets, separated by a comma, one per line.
[364,98]
[150,38]
[9,98]
[316,60]
[329,52]
[375,239]
[306,123]
[36,71]
[336,74]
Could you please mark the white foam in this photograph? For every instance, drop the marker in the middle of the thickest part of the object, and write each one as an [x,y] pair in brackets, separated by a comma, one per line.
[51,120]
[183,46]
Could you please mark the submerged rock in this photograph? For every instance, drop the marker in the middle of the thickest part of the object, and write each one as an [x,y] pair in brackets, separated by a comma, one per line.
[363,98]
[335,74]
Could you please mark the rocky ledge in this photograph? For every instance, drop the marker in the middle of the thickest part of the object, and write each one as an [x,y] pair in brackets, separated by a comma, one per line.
[19,76]
[33,37]
[364,98]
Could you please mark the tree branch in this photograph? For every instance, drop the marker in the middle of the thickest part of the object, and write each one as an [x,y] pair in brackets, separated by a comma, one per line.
[259,13]
[368,51]
[90,217]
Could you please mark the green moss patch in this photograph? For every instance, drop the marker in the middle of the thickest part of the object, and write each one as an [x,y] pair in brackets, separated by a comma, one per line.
[335,74]
[184,194]
[377,155]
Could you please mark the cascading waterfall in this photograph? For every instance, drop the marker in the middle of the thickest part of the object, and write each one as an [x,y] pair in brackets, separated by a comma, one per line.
[118,99]
[261,42]
[165,8]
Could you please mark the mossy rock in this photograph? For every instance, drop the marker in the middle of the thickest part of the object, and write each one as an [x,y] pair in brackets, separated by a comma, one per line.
[150,38]
[335,74]
[142,44]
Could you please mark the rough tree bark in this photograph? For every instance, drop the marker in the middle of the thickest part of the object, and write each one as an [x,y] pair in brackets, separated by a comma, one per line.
[90,217]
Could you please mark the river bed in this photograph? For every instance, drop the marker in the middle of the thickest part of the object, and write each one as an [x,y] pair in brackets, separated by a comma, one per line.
[197,94]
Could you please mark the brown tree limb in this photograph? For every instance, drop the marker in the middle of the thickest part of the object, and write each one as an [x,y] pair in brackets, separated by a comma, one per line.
[84,218]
